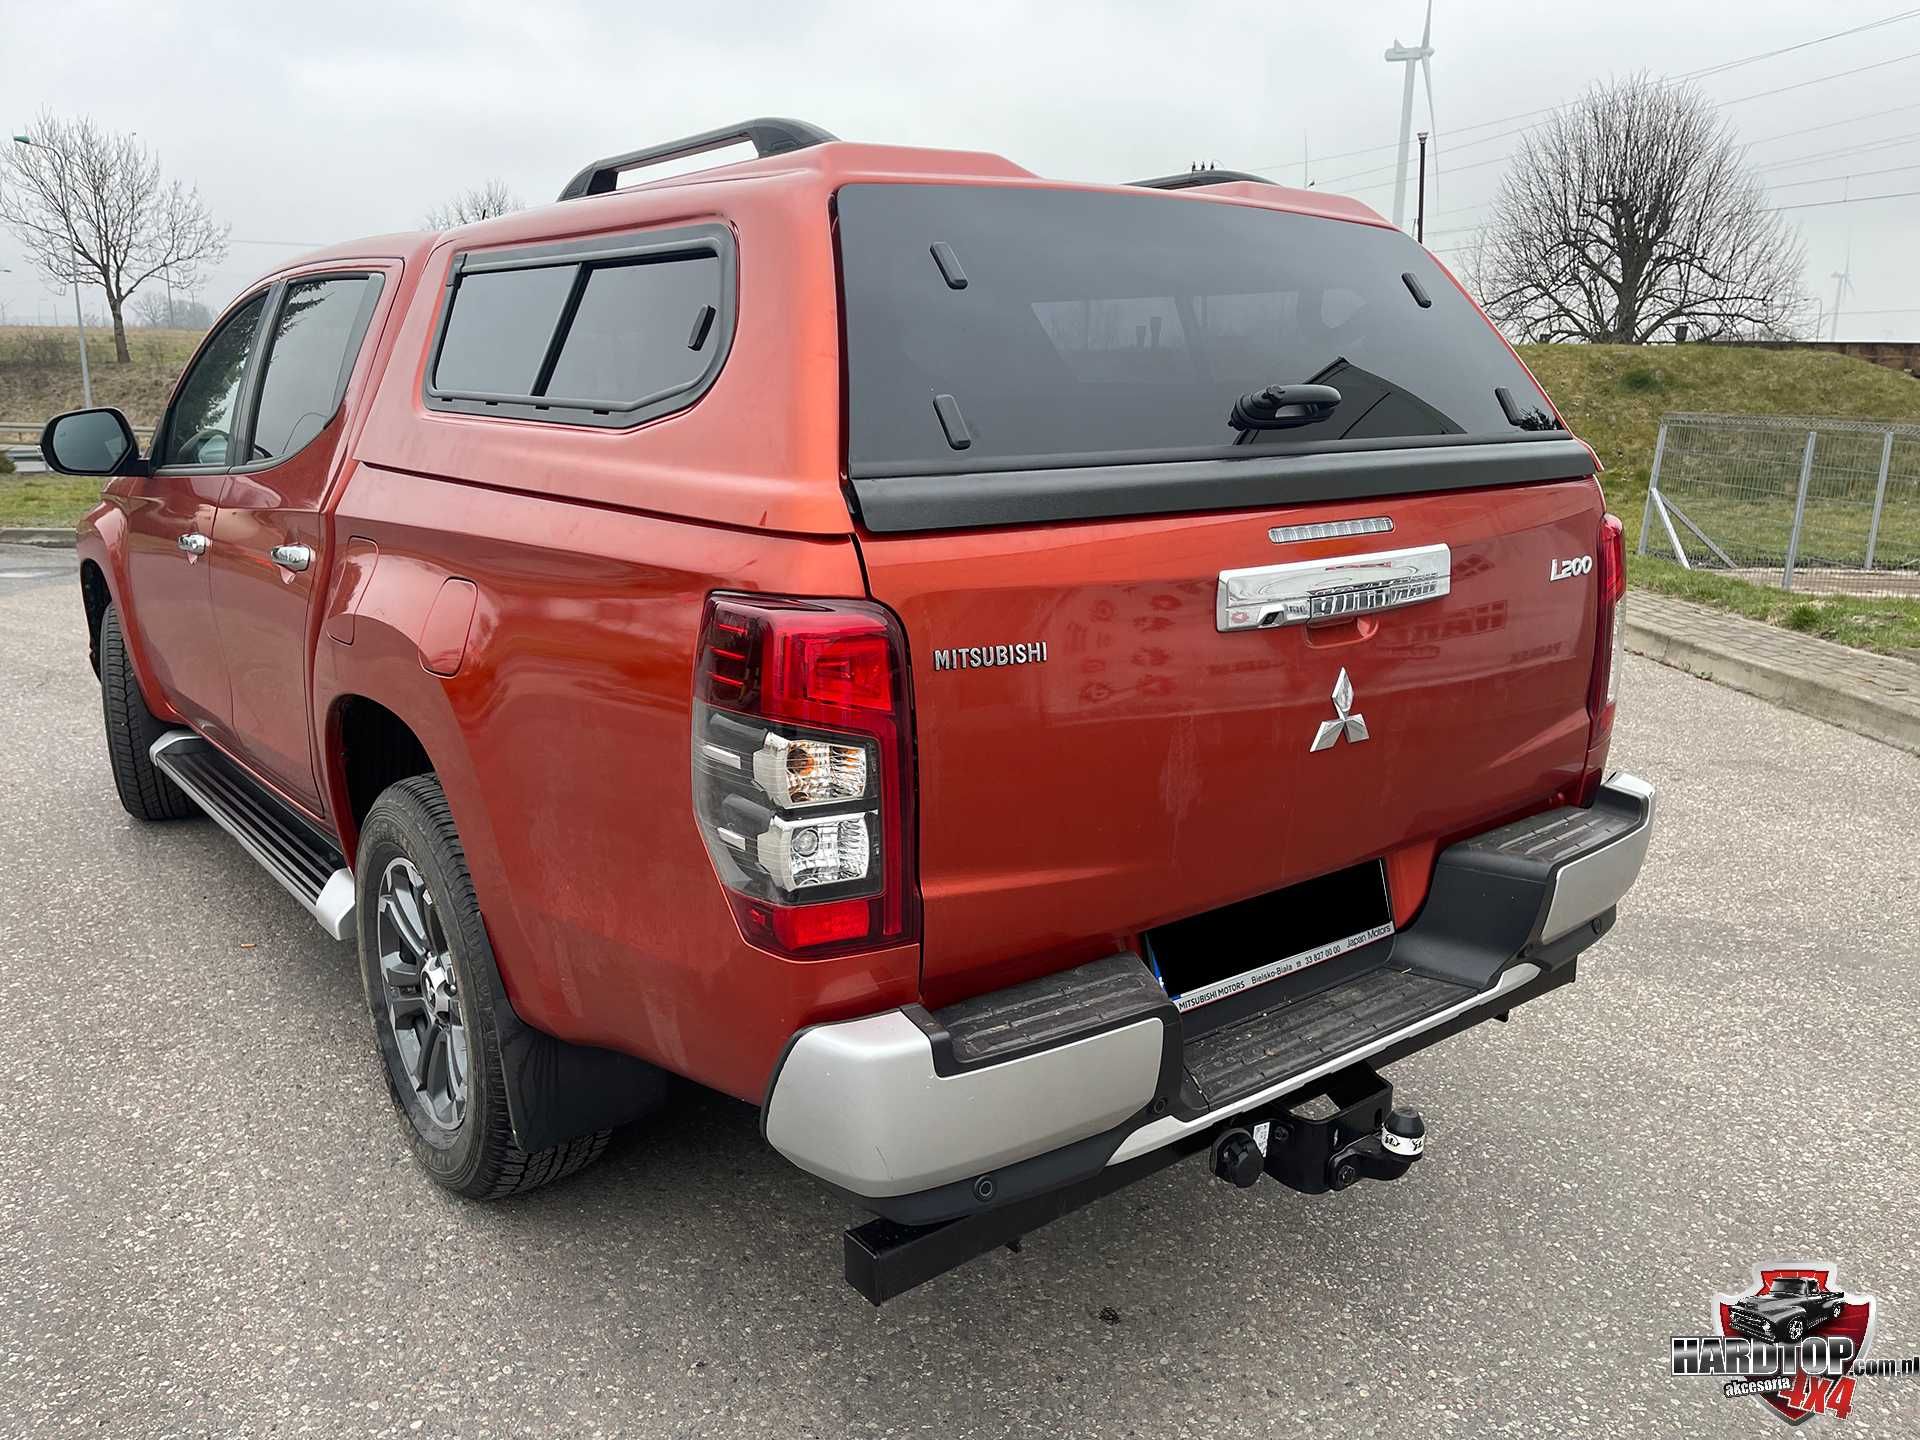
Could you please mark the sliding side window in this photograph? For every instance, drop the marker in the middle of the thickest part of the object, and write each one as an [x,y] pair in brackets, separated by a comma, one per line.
[611,332]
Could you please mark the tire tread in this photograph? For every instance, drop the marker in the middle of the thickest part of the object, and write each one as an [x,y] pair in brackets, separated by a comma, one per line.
[502,1168]
[145,791]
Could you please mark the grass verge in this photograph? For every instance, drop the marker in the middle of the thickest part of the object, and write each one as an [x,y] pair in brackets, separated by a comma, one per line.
[1884,626]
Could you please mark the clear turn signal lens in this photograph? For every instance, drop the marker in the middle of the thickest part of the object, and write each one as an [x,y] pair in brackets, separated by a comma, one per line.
[809,772]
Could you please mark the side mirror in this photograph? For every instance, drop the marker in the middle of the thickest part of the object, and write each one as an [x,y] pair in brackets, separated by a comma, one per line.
[89,442]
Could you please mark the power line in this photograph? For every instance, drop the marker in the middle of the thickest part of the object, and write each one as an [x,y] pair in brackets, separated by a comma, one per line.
[1763,210]
[1523,129]
[1677,79]
[1850,200]
[1859,148]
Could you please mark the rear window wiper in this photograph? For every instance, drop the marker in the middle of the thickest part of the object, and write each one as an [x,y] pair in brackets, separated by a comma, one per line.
[1535,419]
[1282,407]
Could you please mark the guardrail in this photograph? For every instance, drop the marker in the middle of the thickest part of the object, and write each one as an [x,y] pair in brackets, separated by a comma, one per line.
[30,430]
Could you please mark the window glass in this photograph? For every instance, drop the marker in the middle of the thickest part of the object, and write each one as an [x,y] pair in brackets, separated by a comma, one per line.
[629,338]
[307,362]
[200,425]
[1095,323]
[498,330]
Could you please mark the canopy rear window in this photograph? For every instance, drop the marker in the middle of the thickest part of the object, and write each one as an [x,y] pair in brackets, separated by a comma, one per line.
[999,327]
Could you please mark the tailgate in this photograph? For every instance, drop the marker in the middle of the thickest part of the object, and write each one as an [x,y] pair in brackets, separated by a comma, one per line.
[1140,764]
[1068,412]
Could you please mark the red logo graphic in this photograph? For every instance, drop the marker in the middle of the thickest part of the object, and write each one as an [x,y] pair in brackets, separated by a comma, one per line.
[1790,1304]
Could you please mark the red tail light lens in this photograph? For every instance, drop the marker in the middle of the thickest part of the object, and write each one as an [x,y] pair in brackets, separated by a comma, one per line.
[1602,693]
[802,771]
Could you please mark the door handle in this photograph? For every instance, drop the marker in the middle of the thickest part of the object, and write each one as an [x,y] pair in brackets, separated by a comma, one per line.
[193,542]
[294,557]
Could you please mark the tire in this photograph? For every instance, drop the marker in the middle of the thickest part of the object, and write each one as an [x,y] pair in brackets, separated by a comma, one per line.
[145,792]
[1796,1330]
[453,1108]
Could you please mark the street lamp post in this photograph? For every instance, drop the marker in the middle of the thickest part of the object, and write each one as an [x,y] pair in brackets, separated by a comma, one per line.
[79,324]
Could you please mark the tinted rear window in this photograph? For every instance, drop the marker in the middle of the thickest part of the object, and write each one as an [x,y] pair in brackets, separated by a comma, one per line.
[1094,324]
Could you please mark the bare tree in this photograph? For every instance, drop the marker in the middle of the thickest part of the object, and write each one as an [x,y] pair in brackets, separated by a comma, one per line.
[482,202]
[91,208]
[1630,213]
[156,310]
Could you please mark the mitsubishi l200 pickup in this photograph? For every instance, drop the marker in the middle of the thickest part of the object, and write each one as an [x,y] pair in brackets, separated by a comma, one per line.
[1019,681]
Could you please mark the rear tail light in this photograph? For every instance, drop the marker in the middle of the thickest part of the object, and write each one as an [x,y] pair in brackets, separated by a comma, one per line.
[802,771]
[1604,689]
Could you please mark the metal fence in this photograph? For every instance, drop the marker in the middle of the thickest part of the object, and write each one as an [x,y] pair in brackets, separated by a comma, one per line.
[1814,505]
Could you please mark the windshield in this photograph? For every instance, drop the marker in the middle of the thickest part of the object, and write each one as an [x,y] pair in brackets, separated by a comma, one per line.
[1791,1286]
[991,325]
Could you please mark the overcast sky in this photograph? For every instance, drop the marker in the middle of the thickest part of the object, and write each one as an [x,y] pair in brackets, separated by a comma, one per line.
[314,123]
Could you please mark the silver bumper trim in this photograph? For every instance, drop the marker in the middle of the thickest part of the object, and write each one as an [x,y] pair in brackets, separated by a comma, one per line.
[1591,883]
[859,1103]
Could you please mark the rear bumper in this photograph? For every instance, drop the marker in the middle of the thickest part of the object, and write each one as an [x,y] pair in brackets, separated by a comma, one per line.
[924,1116]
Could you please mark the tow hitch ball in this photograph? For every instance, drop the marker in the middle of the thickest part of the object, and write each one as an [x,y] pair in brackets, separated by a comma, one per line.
[1345,1130]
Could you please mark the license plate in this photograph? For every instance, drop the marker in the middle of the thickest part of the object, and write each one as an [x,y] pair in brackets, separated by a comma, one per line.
[1231,950]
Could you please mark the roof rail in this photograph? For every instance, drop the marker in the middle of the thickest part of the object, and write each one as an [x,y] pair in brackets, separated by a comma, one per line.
[1189,179]
[769,136]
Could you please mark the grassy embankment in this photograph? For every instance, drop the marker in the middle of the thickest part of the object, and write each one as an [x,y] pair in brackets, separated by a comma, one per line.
[40,377]
[1614,396]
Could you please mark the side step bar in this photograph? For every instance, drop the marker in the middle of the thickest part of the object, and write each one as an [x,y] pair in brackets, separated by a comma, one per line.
[308,864]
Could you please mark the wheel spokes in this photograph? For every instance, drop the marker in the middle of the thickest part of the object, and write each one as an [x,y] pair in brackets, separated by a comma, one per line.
[424,1013]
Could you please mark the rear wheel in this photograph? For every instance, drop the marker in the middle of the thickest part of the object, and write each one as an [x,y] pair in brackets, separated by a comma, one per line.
[428,968]
[145,792]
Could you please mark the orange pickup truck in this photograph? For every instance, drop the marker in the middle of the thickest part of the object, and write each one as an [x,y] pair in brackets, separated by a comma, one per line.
[1020,681]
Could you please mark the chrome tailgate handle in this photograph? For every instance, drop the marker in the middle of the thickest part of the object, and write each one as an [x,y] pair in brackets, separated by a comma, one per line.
[1337,588]
[294,557]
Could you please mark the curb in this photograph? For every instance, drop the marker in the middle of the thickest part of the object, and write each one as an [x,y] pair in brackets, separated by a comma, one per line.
[1849,708]
[50,539]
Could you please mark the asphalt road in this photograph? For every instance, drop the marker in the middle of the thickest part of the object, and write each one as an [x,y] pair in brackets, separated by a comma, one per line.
[209,1225]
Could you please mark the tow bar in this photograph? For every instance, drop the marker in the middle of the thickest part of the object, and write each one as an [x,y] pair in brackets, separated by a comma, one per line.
[1344,1131]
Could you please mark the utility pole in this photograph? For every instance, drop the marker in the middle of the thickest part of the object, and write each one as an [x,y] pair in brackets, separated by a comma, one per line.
[1420,211]
[73,238]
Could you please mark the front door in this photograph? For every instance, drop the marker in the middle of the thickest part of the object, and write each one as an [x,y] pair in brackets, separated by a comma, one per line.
[268,558]
[170,524]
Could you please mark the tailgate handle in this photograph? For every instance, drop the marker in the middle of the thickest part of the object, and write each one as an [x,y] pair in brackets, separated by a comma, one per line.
[1338,588]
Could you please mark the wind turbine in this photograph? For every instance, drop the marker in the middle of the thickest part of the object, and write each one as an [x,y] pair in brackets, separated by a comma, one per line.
[1410,56]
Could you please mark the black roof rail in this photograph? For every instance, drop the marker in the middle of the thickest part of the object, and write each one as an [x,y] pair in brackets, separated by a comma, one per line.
[1190,179]
[768,135]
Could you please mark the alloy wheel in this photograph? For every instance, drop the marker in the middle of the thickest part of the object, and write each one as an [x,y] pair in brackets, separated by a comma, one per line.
[425,1012]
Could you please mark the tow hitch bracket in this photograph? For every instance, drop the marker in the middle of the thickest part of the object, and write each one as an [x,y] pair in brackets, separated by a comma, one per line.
[1345,1131]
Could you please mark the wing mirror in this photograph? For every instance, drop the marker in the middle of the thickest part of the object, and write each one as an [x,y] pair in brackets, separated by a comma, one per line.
[91,442]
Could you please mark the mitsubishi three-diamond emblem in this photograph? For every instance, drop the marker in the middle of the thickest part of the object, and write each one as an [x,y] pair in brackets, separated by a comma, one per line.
[1347,721]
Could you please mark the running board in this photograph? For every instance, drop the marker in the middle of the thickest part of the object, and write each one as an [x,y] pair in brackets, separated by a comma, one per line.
[287,846]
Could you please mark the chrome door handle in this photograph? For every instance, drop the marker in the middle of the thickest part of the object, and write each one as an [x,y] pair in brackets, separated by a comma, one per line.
[193,542]
[294,557]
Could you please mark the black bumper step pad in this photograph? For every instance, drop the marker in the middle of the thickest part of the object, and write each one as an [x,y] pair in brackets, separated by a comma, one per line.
[1546,839]
[1293,1038]
[1074,1003]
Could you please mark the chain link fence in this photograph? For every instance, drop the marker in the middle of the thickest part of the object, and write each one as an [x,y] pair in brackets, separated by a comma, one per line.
[1829,507]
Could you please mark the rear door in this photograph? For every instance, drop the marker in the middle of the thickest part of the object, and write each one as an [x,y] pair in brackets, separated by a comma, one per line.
[170,522]
[268,559]
[1160,664]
